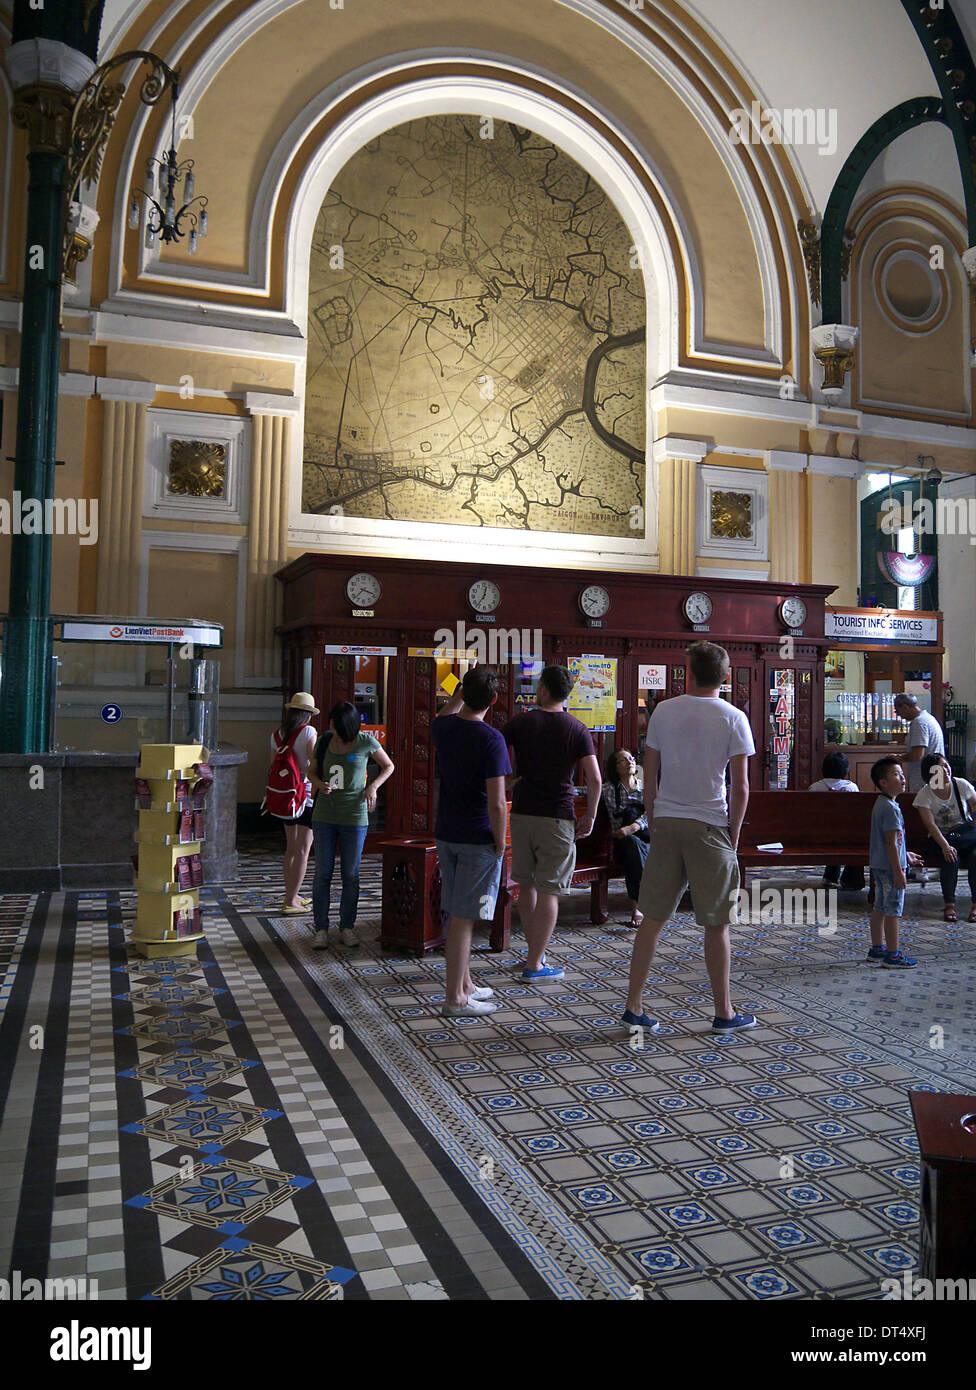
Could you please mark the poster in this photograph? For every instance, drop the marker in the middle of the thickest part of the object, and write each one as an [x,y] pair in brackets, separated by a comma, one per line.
[593,699]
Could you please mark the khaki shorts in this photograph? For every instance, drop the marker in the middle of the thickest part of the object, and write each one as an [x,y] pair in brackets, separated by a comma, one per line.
[689,852]
[543,852]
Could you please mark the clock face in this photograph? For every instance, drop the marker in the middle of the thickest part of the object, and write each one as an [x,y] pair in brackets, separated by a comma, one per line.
[594,601]
[697,608]
[363,590]
[484,596]
[794,612]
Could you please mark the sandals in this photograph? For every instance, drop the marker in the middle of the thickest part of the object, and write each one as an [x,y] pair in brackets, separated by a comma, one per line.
[951,915]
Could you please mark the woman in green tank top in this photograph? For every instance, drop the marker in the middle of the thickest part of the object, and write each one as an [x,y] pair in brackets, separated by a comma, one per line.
[340,817]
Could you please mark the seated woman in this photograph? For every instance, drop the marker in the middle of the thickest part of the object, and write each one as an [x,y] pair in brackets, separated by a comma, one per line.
[622,796]
[947,806]
[835,768]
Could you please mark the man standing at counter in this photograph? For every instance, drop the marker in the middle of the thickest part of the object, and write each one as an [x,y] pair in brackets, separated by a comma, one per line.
[924,737]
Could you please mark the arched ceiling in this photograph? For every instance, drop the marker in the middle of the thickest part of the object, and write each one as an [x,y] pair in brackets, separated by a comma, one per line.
[857,60]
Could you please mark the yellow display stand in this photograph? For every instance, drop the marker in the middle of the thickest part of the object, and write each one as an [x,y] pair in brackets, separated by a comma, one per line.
[160,895]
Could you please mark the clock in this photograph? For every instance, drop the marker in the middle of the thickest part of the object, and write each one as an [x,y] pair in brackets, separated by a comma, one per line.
[363,589]
[484,596]
[697,608]
[792,612]
[594,601]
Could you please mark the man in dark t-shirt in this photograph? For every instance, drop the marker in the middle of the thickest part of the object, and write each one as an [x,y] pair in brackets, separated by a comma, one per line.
[547,744]
[472,764]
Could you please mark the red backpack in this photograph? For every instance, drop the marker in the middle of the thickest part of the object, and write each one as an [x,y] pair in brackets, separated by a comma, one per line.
[286,791]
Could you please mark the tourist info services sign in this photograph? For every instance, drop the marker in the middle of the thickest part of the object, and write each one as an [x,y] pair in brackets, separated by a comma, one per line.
[593,699]
[882,627]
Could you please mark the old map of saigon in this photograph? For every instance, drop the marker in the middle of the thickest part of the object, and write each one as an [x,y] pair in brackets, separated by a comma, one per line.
[476,337]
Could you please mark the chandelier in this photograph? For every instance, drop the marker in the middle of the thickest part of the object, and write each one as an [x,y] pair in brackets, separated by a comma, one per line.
[169,213]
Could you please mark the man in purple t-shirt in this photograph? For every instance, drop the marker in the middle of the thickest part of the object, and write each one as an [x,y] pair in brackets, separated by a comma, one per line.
[472,764]
[548,743]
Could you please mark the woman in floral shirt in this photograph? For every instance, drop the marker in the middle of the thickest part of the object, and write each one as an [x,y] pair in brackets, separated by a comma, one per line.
[623,797]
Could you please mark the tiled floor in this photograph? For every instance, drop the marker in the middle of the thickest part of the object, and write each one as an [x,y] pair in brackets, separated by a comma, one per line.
[268,1121]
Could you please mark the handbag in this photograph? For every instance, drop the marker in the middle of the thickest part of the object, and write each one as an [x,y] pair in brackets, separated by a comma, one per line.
[962,838]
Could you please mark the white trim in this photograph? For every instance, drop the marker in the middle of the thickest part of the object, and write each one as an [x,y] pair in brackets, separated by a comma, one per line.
[262,403]
[176,324]
[121,389]
[9,378]
[918,431]
[827,466]
[783,461]
[708,572]
[669,446]
[202,542]
[75,384]
[755,481]
[234,431]
[678,392]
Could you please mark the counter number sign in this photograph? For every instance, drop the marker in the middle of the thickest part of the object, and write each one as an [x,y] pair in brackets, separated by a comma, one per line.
[111,714]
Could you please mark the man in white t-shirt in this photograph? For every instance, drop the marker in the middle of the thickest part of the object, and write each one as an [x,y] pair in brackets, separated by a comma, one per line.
[691,740]
[924,738]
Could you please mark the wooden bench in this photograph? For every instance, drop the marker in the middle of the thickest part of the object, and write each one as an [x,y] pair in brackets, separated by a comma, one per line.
[411,916]
[820,828]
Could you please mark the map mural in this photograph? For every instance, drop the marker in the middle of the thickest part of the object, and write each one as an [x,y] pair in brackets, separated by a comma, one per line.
[476,351]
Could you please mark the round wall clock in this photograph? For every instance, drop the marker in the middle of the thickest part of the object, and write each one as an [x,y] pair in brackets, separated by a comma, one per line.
[594,601]
[363,589]
[484,596]
[793,612]
[697,608]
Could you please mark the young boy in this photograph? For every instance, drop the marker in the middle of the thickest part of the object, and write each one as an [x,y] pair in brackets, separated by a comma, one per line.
[888,864]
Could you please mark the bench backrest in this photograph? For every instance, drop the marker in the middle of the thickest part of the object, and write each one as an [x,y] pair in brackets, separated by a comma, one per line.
[597,847]
[801,820]
[821,820]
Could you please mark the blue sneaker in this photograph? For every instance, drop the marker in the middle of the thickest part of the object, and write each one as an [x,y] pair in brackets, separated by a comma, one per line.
[641,1021]
[733,1024]
[894,960]
[545,972]
[876,953]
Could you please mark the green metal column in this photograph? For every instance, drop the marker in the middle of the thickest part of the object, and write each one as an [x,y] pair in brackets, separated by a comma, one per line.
[24,698]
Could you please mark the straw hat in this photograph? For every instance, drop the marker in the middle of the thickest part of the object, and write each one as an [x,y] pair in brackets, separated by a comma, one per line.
[303,701]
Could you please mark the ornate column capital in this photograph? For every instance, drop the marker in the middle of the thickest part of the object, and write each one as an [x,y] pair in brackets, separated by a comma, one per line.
[833,347]
[45,113]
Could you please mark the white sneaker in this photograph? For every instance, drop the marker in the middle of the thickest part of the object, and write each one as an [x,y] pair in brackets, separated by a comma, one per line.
[472,1008]
[482,992]
[348,936]
[321,941]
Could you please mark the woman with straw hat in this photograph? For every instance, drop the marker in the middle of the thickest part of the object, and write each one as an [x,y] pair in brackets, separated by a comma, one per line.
[296,729]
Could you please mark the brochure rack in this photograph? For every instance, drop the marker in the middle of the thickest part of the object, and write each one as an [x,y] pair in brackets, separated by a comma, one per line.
[171,781]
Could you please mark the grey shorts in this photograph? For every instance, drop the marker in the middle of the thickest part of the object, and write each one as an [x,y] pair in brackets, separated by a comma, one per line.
[693,854]
[887,898]
[470,876]
[543,852]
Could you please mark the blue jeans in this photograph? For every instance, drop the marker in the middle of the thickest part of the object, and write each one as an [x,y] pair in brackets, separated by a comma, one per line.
[350,839]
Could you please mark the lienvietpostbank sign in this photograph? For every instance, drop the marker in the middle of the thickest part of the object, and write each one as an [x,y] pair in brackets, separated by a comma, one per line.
[882,627]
